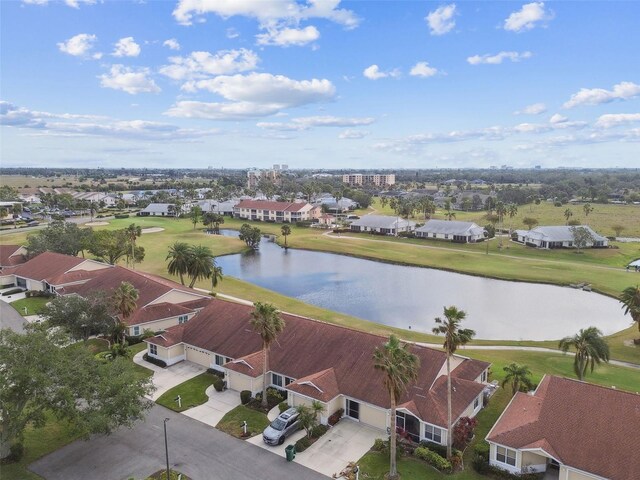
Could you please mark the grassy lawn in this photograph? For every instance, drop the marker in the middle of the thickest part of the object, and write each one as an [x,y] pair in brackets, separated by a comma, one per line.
[192,392]
[33,305]
[96,345]
[231,423]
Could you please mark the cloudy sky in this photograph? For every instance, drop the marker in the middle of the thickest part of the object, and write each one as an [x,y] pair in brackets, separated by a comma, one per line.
[319,83]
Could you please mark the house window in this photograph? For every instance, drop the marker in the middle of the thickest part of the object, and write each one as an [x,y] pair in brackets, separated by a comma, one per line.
[476,403]
[153,349]
[433,235]
[183,318]
[433,433]
[220,360]
[484,376]
[506,455]
[446,235]
[288,380]
[276,380]
[353,409]
[136,330]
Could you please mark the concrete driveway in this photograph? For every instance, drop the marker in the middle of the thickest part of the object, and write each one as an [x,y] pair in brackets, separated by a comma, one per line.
[166,378]
[11,318]
[199,451]
[215,408]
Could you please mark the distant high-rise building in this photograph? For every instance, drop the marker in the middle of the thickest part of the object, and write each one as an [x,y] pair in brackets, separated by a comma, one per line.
[254,176]
[377,179]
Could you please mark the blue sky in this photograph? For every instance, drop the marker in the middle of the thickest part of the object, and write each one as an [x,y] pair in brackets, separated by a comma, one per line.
[319,84]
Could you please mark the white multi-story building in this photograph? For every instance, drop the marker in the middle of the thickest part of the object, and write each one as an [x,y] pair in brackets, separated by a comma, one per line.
[265,211]
[377,179]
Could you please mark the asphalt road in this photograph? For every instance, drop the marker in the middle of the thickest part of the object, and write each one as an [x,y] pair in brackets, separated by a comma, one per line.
[195,449]
[11,318]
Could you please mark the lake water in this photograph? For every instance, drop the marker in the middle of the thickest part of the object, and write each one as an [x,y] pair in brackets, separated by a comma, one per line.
[411,297]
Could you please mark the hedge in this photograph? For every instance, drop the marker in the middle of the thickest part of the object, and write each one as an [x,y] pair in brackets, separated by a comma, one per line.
[303,444]
[433,459]
[12,291]
[481,465]
[218,383]
[155,361]
[245,396]
[122,215]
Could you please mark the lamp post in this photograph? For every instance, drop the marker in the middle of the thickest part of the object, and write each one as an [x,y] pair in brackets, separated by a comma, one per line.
[166,446]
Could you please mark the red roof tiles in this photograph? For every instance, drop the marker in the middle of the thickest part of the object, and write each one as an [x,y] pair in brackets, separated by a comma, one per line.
[8,257]
[275,206]
[47,265]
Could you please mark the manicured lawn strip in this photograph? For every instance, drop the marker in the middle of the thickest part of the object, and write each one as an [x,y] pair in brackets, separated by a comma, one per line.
[137,348]
[192,392]
[231,423]
[96,345]
[34,305]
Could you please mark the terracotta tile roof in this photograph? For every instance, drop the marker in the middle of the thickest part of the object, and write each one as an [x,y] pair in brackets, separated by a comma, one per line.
[322,385]
[250,365]
[306,348]
[198,304]
[8,257]
[266,205]
[47,265]
[172,336]
[588,427]
[158,311]
[470,369]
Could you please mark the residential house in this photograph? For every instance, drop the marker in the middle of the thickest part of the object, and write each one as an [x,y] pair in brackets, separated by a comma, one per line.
[161,303]
[382,224]
[557,237]
[267,211]
[10,256]
[334,206]
[573,430]
[326,220]
[454,231]
[217,206]
[158,210]
[332,364]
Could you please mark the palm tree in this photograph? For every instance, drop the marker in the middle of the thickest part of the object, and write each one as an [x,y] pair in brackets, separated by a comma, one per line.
[178,260]
[448,212]
[454,337]
[568,214]
[400,367]
[133,231]
[630,299]
[512,211]
[200,263]
[216,274]
[266,321]
[196,215]
[590,347]
[285,230]
[517,376]
[501,211]
[124,300]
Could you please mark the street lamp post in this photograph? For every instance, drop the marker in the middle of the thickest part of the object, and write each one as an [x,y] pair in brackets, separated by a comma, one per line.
[166,446]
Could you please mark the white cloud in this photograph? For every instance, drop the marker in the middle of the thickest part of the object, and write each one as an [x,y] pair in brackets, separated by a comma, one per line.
[527,17]
[252,95]
[422,69]
[284,37]
[126,47]
[305,123]
[202,64]
[130,80]
[498,58]
[615,119]
[441,20]
[70,3]
[232,33]
[267,11]
[79,45]
[533,109]
[557,118]
[596,96]
[531,128]
[172,43]
[373,72]
[352,134]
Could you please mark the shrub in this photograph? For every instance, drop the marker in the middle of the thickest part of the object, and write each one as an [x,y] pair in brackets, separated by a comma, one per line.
[303,444]
[304,223]
[318,431]
[433,459]
[155,361]
[463,432]
[122,215]
[482,450]
[336,416]
[245,396]
[103,357]
[218,373]
[379,445]
[481,465]
[218,383]
[435,447]
[38,293]
[12,291]
[282,406]
[16,451]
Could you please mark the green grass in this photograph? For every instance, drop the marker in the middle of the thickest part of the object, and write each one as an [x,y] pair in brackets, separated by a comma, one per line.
[34,305]
[96,345]
[231,423]
[192,392]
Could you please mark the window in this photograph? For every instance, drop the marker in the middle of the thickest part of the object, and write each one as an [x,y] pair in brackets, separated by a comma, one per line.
[153,349]
[276,379]
[136,330]
[183,318]
[433,235]
[484,376]
[433,433]
[353,409]
[288,380]
[476,403]
[446,235]
[220,360]
[506,455]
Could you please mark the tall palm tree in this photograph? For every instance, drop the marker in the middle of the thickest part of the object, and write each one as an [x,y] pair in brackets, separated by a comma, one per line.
[454,337]
[133,231]
[517,376]
[501,211]
[200,263]
[591,348]
[216,274]
[630,299]
[512,211]
[178,260]
[449,213]
[286,231]
[124,300]
[400,367]
[266,321]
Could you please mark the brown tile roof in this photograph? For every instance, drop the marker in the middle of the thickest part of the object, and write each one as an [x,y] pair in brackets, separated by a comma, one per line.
[47,265]
[8,257]
[158,311]
[251,365]
[266,205]
[322,385]
[470,369]
[588,427]
[306,348]
[172,336]
[197,304]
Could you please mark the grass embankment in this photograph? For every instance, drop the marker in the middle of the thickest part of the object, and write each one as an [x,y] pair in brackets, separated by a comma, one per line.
[34,305]
[231,423]
[192,393]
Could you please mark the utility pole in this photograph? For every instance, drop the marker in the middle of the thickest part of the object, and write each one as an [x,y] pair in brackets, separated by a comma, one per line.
[166,447]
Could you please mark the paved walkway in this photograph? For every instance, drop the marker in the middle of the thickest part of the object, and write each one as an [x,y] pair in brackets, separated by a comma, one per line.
[216,407]
[166,378]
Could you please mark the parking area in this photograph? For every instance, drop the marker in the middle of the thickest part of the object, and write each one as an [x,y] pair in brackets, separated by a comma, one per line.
[343,443]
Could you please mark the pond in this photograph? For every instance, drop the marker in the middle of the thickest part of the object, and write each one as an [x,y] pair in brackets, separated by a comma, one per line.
[411,297]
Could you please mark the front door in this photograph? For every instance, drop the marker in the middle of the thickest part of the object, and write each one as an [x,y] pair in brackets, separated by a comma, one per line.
[353,409]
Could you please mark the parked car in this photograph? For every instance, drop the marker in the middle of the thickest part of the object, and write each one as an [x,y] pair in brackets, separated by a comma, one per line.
[284,425]
[33,223]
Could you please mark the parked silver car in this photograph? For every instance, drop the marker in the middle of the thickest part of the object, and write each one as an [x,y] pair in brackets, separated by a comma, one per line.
[284,425]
